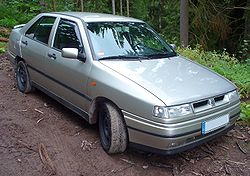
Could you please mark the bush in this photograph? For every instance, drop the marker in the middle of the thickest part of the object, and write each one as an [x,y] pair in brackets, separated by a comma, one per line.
[15,12]
[229,67]
[224,64]
[8,22]
[245,112]
[2,47]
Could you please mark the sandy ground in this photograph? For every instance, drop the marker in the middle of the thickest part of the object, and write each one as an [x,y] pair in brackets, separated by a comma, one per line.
[41,137]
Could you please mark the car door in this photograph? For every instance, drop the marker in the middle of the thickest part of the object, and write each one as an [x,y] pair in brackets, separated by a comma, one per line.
[34,46]
[68,77]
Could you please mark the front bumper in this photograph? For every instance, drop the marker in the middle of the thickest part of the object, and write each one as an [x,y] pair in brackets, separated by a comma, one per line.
[176,137]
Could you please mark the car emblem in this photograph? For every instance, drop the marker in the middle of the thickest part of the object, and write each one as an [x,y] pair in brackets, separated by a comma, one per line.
[212,102]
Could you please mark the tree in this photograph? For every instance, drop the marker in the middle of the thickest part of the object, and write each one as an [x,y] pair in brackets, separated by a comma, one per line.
[121,6]
[184,23]
[54,5]
[128,8]
[81,5]
[113,7]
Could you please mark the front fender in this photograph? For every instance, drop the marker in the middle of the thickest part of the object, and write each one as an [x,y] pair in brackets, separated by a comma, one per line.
[126,94]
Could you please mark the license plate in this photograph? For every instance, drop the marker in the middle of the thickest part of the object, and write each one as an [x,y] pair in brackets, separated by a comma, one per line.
[211,125]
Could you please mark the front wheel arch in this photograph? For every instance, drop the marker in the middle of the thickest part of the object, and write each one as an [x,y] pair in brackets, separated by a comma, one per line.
[112,127]
[93,110]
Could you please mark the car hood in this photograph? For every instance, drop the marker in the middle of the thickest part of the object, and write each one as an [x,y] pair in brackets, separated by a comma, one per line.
[174,80]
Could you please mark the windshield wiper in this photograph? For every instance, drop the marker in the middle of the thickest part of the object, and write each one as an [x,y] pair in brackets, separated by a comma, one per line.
[162,55]
[120,57]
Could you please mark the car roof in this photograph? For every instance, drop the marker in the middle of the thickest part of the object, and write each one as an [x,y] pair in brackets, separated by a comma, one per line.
[97,17]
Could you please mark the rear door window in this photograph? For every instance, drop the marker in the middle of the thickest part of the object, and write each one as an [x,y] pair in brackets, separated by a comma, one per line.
[41,29]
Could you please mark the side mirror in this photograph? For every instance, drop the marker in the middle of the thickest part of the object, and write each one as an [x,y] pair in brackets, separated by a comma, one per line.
[73,53]
[70,53]
[173,46]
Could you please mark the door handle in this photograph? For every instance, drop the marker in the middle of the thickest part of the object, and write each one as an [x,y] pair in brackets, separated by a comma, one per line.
[52,56]
[25,43]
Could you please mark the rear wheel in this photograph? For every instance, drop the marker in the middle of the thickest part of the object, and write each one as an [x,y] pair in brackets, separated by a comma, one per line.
[112,129]
[22,78]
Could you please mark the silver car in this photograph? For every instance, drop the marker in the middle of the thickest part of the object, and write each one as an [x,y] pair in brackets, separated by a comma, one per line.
[119,73]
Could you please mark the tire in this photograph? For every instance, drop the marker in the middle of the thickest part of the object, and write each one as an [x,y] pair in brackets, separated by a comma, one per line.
[23,78]
[112,129]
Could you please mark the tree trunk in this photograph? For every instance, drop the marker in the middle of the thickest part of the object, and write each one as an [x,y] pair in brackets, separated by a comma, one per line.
[128,8]
[247,22]
[184,23]
[160,5]
[121,7]
[113,7]
[81,5]
[54,5]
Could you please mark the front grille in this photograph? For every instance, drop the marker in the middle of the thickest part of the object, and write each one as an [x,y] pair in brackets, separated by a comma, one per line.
[199,104]
[209,103]
[219,98]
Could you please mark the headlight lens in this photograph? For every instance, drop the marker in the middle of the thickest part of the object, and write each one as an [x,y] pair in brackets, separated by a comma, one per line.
[181,110]
[232,96]
[173,111]
[160,111]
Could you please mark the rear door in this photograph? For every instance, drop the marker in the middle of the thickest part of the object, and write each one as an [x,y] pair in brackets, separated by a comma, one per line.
[35,46]
[68,77]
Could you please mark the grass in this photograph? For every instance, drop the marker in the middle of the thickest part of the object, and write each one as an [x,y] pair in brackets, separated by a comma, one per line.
[3,46]
[229,67]
[245,112]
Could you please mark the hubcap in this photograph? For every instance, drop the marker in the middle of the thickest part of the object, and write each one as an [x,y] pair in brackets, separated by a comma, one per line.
[105,128]
[21,77]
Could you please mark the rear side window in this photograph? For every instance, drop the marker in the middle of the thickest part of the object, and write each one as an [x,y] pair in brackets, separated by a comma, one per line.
[41,29]
[68,36]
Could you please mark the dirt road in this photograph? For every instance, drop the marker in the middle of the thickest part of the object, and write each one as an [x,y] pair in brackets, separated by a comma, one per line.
[41,137]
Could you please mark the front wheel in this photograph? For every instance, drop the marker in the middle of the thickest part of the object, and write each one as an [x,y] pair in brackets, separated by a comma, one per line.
[112,129]
[22,78]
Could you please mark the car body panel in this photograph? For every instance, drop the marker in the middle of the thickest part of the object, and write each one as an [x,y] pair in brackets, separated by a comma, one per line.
[174,80]
[120,90]
[34,58]
[75,73]
[98,17]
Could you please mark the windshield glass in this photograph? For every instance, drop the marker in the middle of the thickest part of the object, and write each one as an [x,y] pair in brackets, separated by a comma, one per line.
[127,40]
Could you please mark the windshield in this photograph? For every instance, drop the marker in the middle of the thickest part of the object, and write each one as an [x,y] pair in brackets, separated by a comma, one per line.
[127,40]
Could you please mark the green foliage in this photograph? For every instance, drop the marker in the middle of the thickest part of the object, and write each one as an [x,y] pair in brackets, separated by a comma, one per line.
[244,50]
[15,12]
[245,112]
[2,50]
[164,16]
[2,47]
[224,64]
[97,6]
[8,22]
[229,67]
[142,12]
[218,24]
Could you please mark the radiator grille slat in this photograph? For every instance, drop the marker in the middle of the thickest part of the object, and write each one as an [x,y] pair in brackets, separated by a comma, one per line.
[209,103]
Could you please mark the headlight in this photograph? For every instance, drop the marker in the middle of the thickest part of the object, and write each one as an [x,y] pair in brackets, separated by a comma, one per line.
[160,111]
[181,110]
[173,111]
[232,96]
